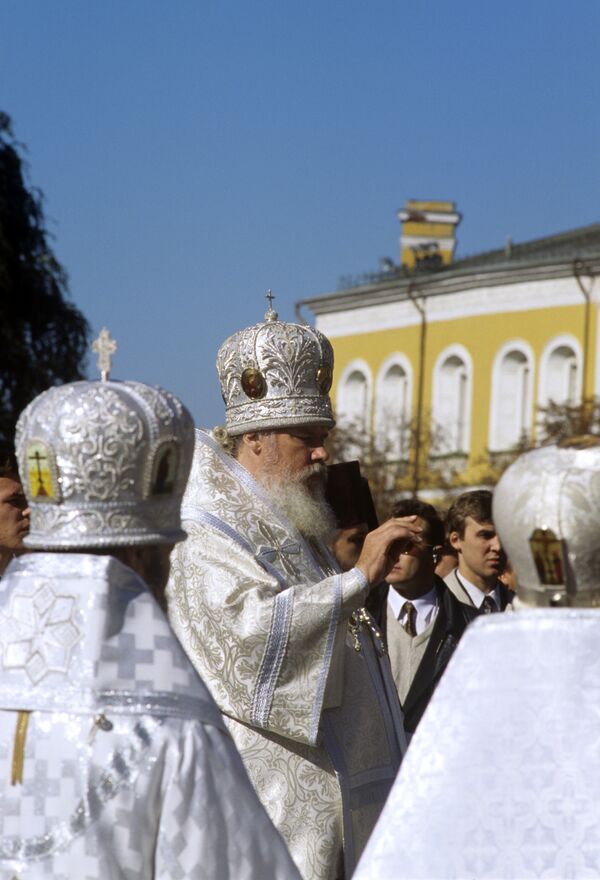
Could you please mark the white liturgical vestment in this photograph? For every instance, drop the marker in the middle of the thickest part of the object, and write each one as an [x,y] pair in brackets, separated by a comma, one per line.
[114,760]
[308,698]
[502,777]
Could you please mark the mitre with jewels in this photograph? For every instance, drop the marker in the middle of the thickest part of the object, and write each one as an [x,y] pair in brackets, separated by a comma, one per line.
[546,509]
[275,375]
[104,464]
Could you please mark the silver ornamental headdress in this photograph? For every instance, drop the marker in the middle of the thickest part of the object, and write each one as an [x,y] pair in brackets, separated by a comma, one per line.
[275,375]
[546,509]
[104,463]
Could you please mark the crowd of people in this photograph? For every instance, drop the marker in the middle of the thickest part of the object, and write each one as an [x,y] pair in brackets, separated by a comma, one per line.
[215,663]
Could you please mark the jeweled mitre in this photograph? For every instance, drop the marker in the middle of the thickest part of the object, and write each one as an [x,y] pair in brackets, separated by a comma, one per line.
[546,509]
[276,375]
[104,464]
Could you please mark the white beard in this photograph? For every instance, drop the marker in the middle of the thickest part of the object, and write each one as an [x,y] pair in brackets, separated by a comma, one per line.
[301,498]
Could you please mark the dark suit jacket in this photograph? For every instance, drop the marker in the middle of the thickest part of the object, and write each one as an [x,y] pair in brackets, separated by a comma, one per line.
[451,621]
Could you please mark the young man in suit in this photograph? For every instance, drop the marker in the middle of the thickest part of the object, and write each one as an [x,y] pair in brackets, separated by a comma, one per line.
[471,531]
[424,619]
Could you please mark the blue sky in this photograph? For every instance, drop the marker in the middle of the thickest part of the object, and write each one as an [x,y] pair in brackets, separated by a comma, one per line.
[193,154]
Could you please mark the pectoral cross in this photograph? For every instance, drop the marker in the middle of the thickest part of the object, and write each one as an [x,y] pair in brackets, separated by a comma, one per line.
[279,551]
[270,314]
[104,346]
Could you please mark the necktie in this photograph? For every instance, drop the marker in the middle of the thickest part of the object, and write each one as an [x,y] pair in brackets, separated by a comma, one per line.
[488,606]
[410,624]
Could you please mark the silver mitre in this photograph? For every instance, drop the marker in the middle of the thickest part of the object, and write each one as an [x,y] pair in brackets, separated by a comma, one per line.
[275,375]
[546,510]
[104,464]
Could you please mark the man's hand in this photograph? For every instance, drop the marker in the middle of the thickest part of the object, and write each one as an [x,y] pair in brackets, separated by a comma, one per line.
[374,561]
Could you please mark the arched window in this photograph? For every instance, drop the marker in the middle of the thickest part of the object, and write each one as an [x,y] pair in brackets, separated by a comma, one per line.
[354,397]
[393,401]
[511,404]
[560,372]
[451,409]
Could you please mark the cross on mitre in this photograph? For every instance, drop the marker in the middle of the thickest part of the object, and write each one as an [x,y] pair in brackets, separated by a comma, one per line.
[271,314]
[38,459]
[104,346]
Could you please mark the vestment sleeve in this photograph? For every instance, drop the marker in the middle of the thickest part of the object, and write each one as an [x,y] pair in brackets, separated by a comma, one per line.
[212,823]
[265,651]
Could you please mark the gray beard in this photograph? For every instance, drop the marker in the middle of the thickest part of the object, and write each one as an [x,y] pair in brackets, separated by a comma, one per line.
[304,505]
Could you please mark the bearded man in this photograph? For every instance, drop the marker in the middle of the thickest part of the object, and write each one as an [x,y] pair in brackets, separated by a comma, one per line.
[257,600]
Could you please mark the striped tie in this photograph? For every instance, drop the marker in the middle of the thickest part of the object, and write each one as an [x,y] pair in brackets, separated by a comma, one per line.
[410,624]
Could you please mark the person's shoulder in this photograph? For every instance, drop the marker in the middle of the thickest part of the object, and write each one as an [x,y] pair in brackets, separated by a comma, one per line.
[455,609]
[450,580]
[443,587]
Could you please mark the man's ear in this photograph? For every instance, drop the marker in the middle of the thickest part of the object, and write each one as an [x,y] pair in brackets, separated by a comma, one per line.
[249,452]
[252,442]
[454,541]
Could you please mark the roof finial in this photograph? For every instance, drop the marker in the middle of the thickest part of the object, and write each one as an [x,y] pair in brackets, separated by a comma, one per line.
[104,346]
[270,314]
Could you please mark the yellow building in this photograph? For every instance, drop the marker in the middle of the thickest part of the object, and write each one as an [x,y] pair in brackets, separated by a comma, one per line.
[473,347]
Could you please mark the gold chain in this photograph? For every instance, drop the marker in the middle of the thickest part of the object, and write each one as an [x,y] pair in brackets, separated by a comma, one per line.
[360,617]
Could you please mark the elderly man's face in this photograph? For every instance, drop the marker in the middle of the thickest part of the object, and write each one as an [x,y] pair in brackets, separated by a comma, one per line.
[297,454]
[14,515]
[293,471]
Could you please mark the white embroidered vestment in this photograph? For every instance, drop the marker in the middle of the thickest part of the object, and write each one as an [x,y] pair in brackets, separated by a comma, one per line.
[311,704]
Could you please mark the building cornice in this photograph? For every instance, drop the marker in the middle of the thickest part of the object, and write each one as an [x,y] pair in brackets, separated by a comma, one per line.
[442,283]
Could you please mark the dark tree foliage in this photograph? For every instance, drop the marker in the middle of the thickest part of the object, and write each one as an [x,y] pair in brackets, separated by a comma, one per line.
[43,336]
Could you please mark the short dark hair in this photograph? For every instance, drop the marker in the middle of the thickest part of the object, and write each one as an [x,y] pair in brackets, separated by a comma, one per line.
[448,549]
[476,504]
[8,468]
[427,512]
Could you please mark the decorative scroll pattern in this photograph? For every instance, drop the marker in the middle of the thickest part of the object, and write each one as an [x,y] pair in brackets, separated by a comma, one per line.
[103,440]
[292,360]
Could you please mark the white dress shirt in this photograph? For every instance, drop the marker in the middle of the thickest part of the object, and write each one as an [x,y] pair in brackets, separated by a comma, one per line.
[426,608]
[476,595]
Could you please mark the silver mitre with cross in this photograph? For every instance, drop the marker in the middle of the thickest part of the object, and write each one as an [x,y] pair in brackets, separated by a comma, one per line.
[546,509]
[104,464]
[275,375]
